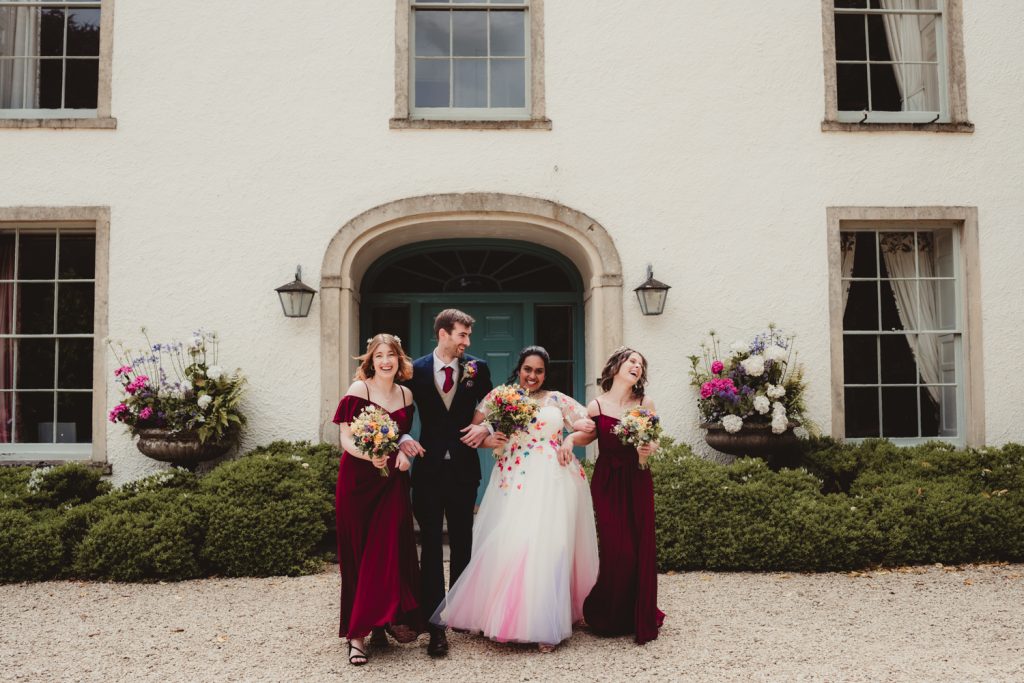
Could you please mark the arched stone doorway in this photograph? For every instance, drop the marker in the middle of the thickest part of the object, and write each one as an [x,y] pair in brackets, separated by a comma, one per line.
[367,238]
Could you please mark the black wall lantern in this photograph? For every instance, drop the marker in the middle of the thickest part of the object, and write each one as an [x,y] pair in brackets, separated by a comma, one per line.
[296,297]
[652,294]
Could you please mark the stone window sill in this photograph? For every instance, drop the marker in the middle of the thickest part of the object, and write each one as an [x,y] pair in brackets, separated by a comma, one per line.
[455,124]
[101,123]
[847,127]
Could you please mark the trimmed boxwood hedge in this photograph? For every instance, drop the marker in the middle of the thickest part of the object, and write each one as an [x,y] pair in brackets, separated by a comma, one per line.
[270,512]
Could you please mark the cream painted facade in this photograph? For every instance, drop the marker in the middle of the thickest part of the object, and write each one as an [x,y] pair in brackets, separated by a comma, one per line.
[686,135]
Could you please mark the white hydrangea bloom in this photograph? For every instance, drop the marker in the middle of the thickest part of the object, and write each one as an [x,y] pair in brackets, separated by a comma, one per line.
[779,423]
[215,372]
[739,346]
[204,401]
[775,391]
[186,387]
[762,404]
[776,353]
[732,423]
[778,409]
[753,366]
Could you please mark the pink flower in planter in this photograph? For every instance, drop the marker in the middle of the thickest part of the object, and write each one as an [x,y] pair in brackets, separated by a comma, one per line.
[117,412]
[146,413]
[123,370]
[717,367]
[706,390]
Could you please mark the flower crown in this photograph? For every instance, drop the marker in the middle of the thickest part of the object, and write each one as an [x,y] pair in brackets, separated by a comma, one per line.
[394,336]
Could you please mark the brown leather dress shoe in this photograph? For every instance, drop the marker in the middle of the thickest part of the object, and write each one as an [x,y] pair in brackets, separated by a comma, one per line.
[438,646]
[401,632]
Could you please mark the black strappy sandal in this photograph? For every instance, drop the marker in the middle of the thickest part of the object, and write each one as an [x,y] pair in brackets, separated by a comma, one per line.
[353,658]
[379,638]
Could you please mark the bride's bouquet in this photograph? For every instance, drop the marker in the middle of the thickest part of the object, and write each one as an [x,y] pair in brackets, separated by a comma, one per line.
[638,427]
[376,434]
[509,409]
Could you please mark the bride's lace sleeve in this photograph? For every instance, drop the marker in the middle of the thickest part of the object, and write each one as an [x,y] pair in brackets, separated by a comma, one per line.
[486,403]
[571,410]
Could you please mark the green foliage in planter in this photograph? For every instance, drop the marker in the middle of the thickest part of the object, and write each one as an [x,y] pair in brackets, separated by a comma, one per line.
[266,516]
[31,547]
[155,534]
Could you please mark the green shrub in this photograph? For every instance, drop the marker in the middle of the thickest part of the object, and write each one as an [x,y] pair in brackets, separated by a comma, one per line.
[266,516]
[155,534]
[31,546]
[67,484]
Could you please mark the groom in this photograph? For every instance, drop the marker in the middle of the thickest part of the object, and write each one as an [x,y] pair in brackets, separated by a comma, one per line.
[447,385]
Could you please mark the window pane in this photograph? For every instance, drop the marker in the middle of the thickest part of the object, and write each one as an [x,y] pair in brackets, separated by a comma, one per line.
[7,240]
[36,256]
[862,307]
[851,4]
[432,34]
[943,292]
[74,417]
[51,80]
[84,32]
[554,328]
[942,253]
[860,359]
[35,363]
[35,308]
[508,34]
[508,83]
[898,364]
[891,319]
[885,91]
[865,256]
[469,34]
[34,423]
[82,83]
[6,425]
[899,411]
[946,412]
[51,33]
[861,413]
[470,83]
[74,363]
[77,257]
[432,82]
[74,307]
[850,42]
[852,87]
[878,41]
[559,378]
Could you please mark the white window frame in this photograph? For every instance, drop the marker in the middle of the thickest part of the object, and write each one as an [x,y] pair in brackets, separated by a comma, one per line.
[96,221]
[969,374]
[531,117]
[952,114]
[100,117]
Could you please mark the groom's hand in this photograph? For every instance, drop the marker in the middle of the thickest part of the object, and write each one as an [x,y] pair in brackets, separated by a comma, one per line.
[474,435]
[411,448]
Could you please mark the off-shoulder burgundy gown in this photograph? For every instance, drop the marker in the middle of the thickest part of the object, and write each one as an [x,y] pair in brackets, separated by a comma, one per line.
[380,577]
[625,598]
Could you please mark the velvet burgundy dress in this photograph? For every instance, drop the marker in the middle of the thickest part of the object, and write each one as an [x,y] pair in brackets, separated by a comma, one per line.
[625,598]
[380,577]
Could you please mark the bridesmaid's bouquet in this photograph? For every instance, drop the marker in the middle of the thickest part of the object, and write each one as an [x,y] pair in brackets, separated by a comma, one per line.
[638,427]
[509,409]
[375,433]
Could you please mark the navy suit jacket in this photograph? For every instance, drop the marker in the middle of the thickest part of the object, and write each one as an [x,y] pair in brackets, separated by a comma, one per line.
[440,427]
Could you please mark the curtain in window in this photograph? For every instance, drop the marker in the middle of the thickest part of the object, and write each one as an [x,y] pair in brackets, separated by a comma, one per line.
[6,345]
[903,32]
[899,255]
[19,37]
[847,248]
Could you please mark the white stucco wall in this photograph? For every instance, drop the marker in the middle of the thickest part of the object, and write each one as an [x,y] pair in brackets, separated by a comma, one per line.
[690,130]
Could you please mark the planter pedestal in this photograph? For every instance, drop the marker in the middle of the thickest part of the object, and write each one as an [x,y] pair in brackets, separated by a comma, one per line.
[182,449]
[756,441]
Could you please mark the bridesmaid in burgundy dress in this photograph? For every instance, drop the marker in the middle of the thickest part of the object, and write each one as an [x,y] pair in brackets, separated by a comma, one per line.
[624,600]
[376,548]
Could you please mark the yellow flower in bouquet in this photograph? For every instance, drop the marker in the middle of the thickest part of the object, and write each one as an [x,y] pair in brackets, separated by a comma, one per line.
[509,409]
[375,434]
[638,427]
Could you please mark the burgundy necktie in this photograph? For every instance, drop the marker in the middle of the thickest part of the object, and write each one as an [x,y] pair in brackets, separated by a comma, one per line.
[448,381]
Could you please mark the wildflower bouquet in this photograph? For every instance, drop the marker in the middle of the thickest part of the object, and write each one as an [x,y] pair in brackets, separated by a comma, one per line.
[638,427]
[756,382]
[178,386]
[509,409]
[376,434]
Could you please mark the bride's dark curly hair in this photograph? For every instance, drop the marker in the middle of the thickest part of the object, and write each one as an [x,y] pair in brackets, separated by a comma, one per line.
[614,364]
[526,353]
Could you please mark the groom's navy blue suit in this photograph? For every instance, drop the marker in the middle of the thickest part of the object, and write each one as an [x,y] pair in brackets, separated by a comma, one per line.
[445,488]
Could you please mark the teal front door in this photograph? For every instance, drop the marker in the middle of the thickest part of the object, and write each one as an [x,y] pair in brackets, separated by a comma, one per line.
[519,294]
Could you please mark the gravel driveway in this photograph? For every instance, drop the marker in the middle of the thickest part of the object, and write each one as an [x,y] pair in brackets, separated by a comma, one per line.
[915,624]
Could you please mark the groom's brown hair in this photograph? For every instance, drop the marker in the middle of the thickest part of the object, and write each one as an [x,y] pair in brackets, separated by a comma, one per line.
[447,319]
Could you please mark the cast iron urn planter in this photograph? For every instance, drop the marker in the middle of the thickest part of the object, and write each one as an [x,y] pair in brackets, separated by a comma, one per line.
[755,440]
[179,448]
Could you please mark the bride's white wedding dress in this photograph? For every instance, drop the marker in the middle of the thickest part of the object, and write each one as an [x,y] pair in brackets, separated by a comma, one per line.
[534,540]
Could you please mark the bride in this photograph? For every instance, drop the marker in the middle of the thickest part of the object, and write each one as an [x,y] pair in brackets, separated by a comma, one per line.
[534,541]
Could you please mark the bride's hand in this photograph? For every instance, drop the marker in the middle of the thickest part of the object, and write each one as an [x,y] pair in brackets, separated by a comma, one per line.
[495,440]
[565,455]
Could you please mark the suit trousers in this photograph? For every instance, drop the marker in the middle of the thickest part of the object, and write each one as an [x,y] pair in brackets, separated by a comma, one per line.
[432,502]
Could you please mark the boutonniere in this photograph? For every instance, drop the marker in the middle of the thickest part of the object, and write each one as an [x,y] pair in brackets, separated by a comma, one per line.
[467,371]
